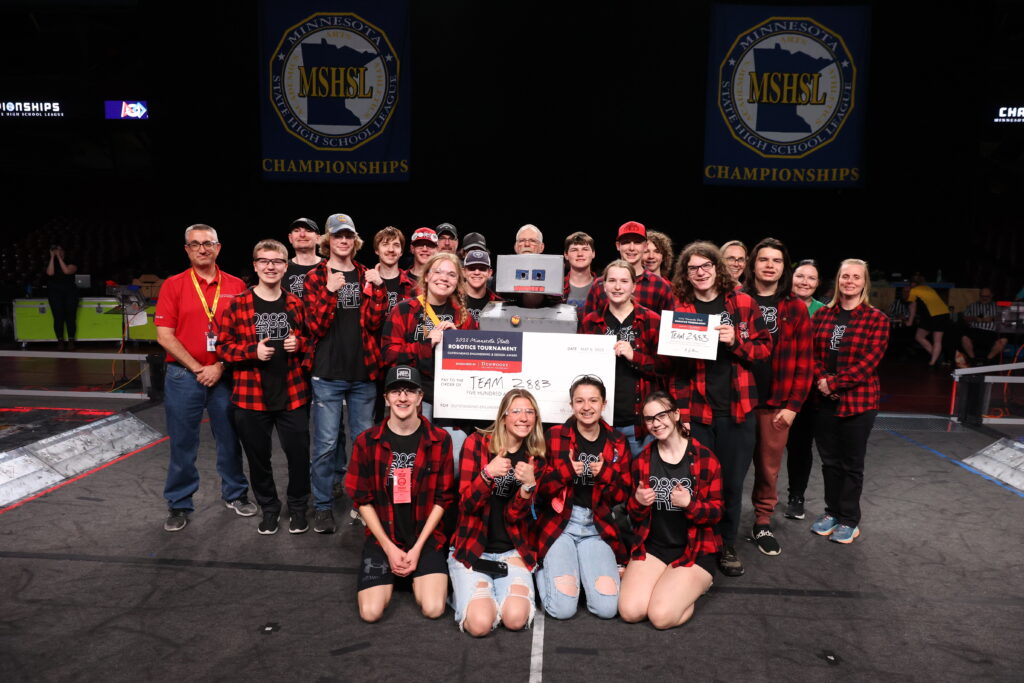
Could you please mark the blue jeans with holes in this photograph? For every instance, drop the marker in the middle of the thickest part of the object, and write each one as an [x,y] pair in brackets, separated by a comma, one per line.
[581,553]
[184,401]
[328,459]
[465,583]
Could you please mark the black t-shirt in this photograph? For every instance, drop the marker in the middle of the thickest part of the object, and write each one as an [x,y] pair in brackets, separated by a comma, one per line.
[669,524]
[339,355]
[424,325]
[626,376]
[587,452]
[718,372]
[503,488]
[403,454]
[762,369]
[272,322]
[295,278]
[835,342]
[476,304]
[394,287]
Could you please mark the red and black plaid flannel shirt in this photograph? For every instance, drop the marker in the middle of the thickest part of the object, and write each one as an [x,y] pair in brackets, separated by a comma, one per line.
[652,291]
[703,513]
[862,348]
[753,342]
[792,366]
[433,485]
[236,345]
[475,507]
[400,348]
[611,487]
[322,303]
[651,367]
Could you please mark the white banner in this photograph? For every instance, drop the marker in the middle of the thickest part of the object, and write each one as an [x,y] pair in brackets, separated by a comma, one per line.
[474,369]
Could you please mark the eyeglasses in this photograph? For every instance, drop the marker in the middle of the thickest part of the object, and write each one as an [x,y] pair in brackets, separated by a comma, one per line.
[264,262]
[516,412]
[736,259]
[527,240]
[660,417]
[404,391]
[205,245]
[446,274]
[707,267]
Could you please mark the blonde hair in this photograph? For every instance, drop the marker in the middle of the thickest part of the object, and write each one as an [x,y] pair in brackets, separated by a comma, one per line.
[269,245]
[324,247]
[865,295]
[499,438]
[458,297]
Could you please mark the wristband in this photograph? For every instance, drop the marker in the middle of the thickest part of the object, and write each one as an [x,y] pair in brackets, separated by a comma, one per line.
[486,477]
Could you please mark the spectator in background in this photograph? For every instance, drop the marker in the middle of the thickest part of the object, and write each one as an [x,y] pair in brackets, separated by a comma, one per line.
[982,318]
[933,317]
[62,293]
[734,253]
[658,254]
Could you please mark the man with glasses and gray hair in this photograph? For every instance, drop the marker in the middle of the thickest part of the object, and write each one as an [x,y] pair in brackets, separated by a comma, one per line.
[187,320]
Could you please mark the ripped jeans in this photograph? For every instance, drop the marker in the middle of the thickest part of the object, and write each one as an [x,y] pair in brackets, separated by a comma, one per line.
[466,580]
[585,558]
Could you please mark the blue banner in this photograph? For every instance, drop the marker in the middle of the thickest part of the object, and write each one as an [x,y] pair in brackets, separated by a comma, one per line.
[786,96]
[335,90]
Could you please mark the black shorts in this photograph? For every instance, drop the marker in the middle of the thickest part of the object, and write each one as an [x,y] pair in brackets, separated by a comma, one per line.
[983,340]
[932,323]
[705,562]
[374,569]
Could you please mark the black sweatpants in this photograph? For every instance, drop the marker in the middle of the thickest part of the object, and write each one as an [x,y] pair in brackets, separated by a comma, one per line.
[733,445]
[842,445]
[799,451]
[255,429]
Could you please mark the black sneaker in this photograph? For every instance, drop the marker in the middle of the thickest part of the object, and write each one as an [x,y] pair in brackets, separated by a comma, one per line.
[241,506]
[269,524]
[323,522]
[795,507]
[728,562]
[176,520]
[765,539]
[297,524]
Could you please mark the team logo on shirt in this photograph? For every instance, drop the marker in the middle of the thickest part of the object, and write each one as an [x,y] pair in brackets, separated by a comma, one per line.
[663,490]
[726,318]
[786,87]
[771,318]
[334,81]
[626,334]
[348,295]
[272,325]
[426,325]
[504,486]
[295,284]
[837,337]
[401,461]
[587,478]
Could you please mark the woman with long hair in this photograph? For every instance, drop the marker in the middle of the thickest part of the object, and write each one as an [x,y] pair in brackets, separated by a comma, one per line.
[414,327]
[638,367]
[850,336]
[799,454]
[578,541]
[493,550]
[674,509]
[716,397]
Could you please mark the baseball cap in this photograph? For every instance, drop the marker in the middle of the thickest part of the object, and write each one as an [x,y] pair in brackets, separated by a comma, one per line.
[631,228]
[447,227]
[403,374]
[338,222]
[477,257]
[474,240]
[306,223]
[424,234]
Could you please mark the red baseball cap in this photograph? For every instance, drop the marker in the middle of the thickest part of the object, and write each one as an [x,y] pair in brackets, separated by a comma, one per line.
[424,235]
[631,228]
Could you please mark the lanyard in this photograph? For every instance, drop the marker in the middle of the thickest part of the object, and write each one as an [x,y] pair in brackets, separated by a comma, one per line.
[429,310]
[202,299]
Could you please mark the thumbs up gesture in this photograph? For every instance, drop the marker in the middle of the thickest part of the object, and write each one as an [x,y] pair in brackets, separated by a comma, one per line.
[291,343]
[264,350]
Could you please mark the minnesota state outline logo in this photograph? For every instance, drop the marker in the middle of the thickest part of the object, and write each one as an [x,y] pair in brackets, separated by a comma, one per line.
[786,87]
[334,81]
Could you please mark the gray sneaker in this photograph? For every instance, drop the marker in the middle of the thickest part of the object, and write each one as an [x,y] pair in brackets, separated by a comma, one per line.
[323,522]
[729,563]
[241,506]
[176,520]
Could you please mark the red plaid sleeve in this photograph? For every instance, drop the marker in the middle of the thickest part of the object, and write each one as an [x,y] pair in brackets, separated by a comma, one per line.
[236,345]
[864,344]
[791,356]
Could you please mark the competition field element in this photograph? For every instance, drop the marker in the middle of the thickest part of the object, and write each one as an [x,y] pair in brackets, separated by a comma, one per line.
[474,369]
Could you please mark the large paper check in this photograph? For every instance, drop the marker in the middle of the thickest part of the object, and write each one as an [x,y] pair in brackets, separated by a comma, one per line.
[475,369]
[691,335]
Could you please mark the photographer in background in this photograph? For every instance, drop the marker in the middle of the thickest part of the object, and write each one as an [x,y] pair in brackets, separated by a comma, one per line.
[63,296]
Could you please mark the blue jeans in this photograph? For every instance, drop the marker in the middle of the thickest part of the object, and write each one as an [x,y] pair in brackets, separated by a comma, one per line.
[184,401]
[465,581]
[458,436]
[635,445]
[581,553]
[328,459]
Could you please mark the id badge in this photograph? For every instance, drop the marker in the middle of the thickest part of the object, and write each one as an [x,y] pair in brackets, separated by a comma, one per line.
[211,342]
[403,485]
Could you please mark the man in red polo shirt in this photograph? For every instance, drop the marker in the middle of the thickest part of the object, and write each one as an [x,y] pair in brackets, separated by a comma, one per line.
[187,317]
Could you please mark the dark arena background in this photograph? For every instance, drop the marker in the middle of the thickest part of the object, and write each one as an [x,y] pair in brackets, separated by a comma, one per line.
[571,116]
